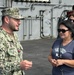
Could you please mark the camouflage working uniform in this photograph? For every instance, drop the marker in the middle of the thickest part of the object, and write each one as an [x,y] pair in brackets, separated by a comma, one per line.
[10,54]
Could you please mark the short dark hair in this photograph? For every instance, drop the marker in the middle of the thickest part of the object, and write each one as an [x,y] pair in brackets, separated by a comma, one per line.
[2,18]
[70,13]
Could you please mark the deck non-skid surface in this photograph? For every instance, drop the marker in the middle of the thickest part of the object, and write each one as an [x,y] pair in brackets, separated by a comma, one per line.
[37,51]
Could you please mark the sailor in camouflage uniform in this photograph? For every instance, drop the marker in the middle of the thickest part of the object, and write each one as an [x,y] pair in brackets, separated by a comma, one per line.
[11,51]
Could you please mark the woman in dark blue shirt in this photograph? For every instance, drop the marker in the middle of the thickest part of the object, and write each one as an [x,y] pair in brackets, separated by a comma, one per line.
[62,53]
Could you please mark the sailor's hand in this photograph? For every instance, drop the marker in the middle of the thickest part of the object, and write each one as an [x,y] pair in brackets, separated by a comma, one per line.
[25,64]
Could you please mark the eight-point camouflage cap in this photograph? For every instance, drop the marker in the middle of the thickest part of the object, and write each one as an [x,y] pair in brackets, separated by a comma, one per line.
[12,12]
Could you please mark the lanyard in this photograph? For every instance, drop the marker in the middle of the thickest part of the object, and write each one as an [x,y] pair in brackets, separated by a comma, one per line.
[59,54]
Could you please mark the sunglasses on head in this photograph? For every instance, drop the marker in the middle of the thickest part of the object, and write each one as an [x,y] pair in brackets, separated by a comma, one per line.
[62,30]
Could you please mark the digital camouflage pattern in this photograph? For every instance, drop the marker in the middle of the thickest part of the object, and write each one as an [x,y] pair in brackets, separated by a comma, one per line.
[12,12]
[11,53]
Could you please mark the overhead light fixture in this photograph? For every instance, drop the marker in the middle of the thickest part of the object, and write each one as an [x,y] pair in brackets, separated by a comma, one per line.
[36,1]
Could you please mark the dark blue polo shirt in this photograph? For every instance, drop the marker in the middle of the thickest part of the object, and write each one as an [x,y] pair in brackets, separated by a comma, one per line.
[63,52]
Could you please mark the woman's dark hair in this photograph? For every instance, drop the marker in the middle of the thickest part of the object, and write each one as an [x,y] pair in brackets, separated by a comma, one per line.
[69,25]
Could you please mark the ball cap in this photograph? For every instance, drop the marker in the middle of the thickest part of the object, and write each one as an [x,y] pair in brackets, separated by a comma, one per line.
[12,12]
